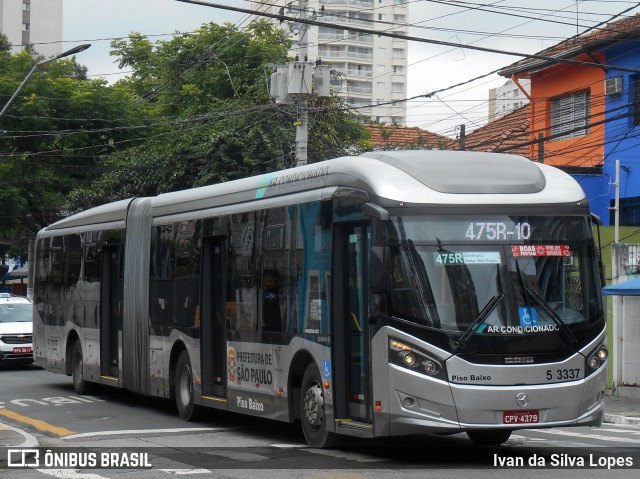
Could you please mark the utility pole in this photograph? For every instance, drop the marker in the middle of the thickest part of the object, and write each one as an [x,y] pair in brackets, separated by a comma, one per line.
[295,82]
[302,126]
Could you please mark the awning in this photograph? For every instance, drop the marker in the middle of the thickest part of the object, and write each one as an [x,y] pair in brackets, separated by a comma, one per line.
[626,288]
[22,272]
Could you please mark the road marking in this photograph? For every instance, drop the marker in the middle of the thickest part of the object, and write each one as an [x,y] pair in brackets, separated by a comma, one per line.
[184,472]
[587,436]
[143,431]
[350,456]
[37,423]
[70,474]
[630,431]
[238,455]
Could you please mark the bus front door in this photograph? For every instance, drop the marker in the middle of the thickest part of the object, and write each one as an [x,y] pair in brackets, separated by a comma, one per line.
[110,310]
[350,325]
[214,315]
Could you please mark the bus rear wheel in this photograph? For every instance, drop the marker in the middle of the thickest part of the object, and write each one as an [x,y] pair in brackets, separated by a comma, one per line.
[489,437]
[183,388]
[312,411]
[80,384]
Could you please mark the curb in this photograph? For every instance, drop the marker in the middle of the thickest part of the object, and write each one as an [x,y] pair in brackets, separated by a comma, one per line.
[29,440]
[625,420]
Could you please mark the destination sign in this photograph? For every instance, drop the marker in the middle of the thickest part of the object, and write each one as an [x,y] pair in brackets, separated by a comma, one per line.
[466,257]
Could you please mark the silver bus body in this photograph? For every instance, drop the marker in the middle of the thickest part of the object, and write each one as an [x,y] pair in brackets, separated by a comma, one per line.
[123,289]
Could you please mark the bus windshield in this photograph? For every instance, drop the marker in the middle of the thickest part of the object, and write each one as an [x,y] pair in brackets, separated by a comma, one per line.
[503,274]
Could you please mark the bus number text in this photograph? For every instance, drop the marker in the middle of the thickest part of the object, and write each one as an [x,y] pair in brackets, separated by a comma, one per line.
[563,374]
[477,231]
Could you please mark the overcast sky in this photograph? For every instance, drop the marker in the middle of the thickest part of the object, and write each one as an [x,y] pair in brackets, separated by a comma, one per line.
[514,25]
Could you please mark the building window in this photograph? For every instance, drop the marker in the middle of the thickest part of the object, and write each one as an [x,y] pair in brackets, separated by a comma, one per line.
[26,6]
[636,100]
[398,69]
[397,87]
[570,115]
[25,27]
[398,53]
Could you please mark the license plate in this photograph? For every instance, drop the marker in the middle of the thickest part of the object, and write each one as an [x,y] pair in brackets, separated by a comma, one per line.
[521,417]
[23,350]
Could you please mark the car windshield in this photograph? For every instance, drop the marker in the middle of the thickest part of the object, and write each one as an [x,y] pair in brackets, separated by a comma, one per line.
[15,313]
[506,275]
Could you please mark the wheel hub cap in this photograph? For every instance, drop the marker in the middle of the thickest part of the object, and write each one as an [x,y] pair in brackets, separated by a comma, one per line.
[314,405]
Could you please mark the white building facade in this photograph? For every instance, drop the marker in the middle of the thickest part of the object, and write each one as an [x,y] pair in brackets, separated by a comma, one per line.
[371,69]
[36,22]
[507,98]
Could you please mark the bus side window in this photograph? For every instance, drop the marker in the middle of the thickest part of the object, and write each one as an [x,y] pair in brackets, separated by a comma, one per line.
[244,272]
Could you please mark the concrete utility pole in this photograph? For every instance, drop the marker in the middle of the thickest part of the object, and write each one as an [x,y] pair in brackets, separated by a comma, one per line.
[302,128]
[295,82]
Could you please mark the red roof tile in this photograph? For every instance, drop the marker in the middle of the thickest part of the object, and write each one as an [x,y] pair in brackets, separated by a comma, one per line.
[395,136]
[504,132]
[624,29]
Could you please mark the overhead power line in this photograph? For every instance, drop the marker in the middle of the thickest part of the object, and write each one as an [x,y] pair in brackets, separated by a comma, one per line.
[414,39]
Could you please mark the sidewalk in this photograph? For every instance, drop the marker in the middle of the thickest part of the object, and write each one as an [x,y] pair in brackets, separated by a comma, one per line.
[624,408]
[618,410]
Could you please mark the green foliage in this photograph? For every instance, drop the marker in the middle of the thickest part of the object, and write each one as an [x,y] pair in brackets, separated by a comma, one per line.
[211,89]
[51,138]
[195,110]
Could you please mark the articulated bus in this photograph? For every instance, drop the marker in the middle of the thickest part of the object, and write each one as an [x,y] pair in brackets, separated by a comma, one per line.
[387,294]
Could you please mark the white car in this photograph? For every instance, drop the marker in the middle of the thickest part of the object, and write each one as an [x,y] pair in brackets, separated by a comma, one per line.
[16,330]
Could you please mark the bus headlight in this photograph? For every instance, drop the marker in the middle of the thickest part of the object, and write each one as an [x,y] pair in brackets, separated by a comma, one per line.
[597,358]
[431,367]
[408,356]
[409,359]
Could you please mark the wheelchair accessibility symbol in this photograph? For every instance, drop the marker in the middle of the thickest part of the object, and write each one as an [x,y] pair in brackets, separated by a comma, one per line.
[528,316]
[327,369]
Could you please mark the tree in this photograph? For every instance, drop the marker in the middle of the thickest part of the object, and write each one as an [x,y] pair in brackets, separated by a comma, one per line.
[52,138]
[210,91]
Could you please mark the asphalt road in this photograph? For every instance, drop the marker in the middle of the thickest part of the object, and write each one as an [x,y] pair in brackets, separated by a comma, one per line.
[113,420]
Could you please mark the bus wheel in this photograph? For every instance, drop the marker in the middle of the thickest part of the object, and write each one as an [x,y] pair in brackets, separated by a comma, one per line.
[493,437]
[312,414]
[184,388]
[80,385]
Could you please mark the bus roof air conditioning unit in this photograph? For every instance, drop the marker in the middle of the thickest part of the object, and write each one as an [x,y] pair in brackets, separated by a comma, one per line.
[614,86]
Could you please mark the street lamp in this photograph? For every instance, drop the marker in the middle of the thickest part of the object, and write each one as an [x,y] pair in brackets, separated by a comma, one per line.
[73,51]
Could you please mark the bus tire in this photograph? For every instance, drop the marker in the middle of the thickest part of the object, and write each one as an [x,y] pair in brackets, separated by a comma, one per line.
[489,437]
[80,384]
[183,388]
[312,410]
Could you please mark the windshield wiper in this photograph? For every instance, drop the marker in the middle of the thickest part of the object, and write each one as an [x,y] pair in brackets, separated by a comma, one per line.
[568,337]
[482,317]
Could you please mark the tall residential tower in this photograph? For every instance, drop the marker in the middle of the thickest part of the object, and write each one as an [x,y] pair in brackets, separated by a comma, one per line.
[372,70]
[36,22]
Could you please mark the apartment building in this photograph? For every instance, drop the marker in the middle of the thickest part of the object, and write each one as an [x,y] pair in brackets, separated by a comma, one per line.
[371,70]
[36,22]
[507,98]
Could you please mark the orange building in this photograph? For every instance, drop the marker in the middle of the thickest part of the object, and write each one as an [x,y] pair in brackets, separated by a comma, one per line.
[567,107]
